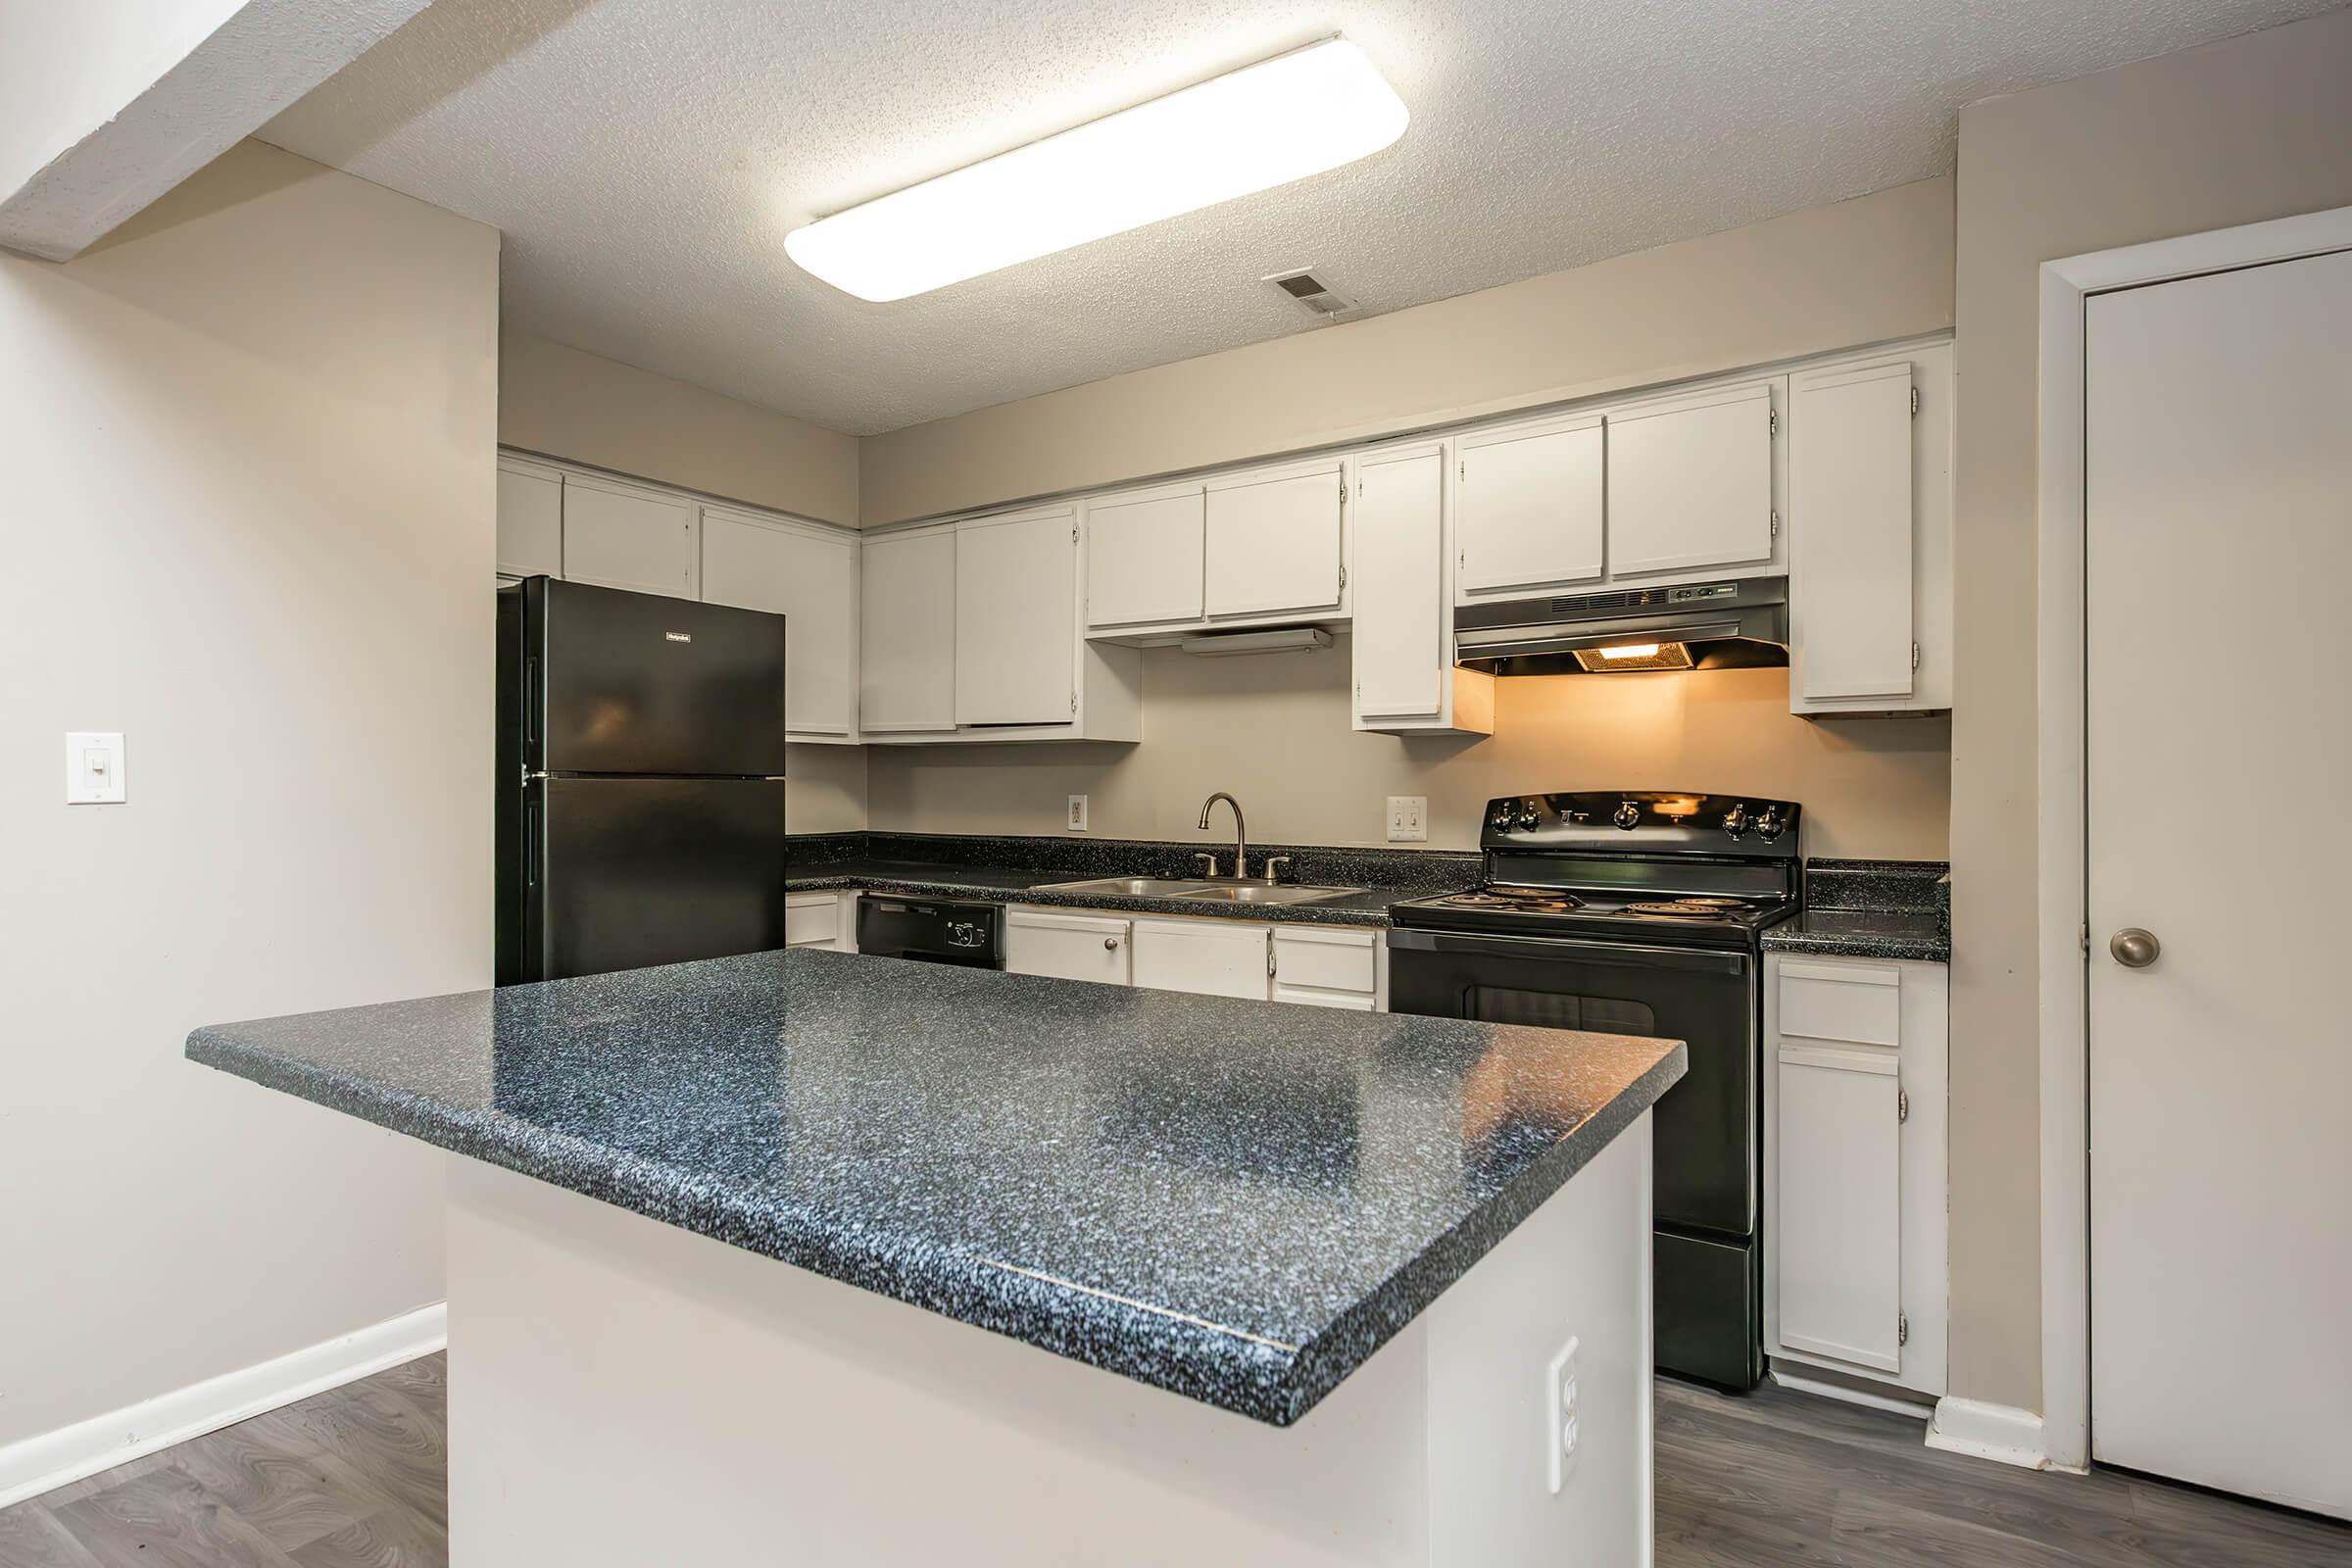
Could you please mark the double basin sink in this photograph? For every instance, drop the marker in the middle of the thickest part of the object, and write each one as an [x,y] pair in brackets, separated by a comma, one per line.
[1222,890]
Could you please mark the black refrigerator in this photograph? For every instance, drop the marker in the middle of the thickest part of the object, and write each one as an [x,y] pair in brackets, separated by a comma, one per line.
[640,780]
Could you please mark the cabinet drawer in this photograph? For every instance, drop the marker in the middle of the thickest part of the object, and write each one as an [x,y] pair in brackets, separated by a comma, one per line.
[1326,961]
[811,919]
[1860,1003]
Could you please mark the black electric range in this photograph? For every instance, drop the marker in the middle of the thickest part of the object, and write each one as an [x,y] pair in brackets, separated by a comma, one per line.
[1637,913]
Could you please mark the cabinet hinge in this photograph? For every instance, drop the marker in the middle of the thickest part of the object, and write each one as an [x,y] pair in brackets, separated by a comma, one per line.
[1073,702]
[1269,954]
[1902,1328]
[1073,533]
[1463,469]
[1343,488]
[1902,1106]
[2082,934]
[1915,403]
[1771,421]
[1776,522]
[1342,576]
[1915,655]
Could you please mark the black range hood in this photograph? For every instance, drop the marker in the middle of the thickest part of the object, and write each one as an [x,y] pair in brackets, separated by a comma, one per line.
[1738,623]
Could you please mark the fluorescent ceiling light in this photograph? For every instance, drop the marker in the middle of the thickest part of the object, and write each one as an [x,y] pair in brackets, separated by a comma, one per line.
[1251,130]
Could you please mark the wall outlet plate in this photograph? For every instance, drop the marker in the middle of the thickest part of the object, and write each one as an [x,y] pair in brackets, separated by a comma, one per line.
[1408,818]
[1077,816]
[1559,1415]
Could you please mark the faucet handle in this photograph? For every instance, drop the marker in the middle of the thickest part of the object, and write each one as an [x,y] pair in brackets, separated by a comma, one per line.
[1273,861]
[1211,859]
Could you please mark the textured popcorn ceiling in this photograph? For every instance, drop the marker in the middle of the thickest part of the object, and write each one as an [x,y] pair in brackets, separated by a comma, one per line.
[645,158]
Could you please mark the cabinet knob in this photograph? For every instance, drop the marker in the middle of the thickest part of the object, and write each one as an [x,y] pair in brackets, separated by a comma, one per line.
[1110,944]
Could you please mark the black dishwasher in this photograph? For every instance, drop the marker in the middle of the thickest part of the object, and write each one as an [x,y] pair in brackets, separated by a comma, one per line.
[931,930]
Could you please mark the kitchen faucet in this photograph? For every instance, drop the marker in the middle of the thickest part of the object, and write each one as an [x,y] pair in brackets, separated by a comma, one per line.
[1241,834]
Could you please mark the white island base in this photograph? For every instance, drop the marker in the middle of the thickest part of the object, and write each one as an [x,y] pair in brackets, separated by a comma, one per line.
[627,1395]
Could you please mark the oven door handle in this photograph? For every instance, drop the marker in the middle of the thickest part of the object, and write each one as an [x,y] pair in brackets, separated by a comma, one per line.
[1557,949]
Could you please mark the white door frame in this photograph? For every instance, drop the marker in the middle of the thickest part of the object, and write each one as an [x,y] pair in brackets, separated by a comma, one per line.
[2062,832]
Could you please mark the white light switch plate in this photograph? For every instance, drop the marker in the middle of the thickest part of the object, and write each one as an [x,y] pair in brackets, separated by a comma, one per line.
[1408,818]
[1077,821]
[94,769]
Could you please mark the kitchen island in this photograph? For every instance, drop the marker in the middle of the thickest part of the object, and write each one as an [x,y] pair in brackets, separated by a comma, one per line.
[1304,1274]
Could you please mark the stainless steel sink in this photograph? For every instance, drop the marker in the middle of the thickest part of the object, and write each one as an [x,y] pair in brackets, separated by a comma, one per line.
[1221,891]
[1267,893]
[1131,887]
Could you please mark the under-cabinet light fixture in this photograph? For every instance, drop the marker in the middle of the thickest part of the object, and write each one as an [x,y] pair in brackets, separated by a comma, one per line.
[1631,651]
[1263,125]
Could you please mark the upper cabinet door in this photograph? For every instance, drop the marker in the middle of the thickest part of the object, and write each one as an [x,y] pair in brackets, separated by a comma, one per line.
[619,536]
[530,520]
[809,577]
[906,621]
[1529,508]
[1273,541]
[1400,607]
[1691,482]
[1143,557]
[1849,501]
[1016,619]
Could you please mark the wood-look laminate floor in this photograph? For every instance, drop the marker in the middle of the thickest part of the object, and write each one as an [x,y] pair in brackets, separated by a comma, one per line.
[355,1478]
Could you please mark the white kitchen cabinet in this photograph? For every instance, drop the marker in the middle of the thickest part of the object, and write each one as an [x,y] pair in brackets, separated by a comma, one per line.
[1209,958]
[1330,966]
[1016,607]
[1273,541]
[1530,507]
[1869,534]
[825,919]
[1691,482]
[530,519]
[906,630]
[1401,580]
[808,576]
[620,535]
[1145,554]
[1068,946]
[1855,1193]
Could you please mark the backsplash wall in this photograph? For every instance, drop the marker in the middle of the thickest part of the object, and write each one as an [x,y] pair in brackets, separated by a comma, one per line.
[1274,731]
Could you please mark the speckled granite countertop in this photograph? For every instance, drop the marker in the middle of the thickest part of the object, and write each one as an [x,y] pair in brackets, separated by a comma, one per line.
[1872,910]
[1235,1200]
[1000,885]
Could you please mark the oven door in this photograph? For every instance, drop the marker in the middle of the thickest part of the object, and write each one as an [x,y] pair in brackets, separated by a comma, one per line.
[1705,1127]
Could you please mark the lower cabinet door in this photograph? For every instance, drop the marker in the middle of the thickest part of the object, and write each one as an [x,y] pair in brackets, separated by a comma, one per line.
[1067,947]
[1209,958]
[1840,1202]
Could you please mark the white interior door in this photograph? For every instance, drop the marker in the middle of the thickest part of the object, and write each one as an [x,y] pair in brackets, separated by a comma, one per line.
[2218,450]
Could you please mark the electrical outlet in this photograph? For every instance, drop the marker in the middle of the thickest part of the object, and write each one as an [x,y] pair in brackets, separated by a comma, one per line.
[1077,813]
[1559,1414]
[1408,818]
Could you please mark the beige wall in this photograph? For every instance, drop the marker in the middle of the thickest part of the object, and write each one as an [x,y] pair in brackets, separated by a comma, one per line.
[1860,272]
[248,447]
[568,404]
[1273,730]
[2252,128]
[826,792]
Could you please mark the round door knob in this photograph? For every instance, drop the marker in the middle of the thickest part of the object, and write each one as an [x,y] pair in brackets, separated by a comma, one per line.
[2134,948]
[1110,944]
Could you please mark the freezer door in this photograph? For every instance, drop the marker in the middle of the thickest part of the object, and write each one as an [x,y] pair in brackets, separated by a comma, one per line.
[641,683]
[637,871]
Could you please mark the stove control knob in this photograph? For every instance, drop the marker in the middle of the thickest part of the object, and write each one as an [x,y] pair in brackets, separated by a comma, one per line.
[1735,820]
[1768,825]
[1501,820]
[1628,815]
[1527,815]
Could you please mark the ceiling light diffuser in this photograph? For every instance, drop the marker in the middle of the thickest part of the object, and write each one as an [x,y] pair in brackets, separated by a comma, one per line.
[1250,130]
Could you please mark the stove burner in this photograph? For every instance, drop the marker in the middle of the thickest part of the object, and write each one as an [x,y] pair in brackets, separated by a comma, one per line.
[1718,903]
[1535,902]
[1690,908]
[1478,900]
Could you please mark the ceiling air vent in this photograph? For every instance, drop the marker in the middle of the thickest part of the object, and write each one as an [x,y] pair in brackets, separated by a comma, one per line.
[1302,286]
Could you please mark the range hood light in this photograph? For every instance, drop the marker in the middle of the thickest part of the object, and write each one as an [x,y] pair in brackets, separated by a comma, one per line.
[1631,651]
[1623,658]
[1251,130]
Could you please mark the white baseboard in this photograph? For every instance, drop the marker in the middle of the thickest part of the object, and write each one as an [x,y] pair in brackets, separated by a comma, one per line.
[50,1459]
[1823,1387]
[2001,1432]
